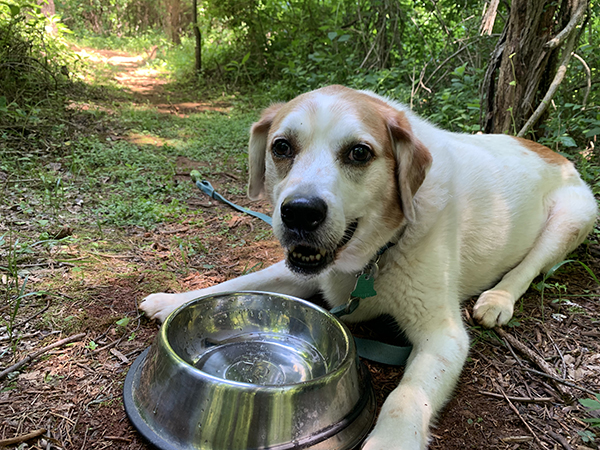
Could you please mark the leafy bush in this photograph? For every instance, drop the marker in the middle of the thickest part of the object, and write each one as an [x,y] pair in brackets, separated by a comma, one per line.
[34,67]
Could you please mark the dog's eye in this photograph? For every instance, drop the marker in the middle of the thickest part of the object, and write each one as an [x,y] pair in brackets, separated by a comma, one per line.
[282,148]
[360,154]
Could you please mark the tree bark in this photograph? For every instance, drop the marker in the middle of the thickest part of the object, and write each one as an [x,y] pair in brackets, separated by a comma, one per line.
[198,36]
[174,20]
[525,61]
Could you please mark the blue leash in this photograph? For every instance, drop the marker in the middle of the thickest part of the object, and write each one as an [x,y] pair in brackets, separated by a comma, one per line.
[207,188]
[372,350]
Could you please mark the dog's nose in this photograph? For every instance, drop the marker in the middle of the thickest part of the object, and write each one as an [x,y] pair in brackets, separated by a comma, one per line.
[303,213]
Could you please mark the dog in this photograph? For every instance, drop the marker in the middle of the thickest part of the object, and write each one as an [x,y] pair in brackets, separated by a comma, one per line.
[351,174]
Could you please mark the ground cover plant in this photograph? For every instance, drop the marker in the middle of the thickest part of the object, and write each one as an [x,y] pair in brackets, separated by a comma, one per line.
[97,210]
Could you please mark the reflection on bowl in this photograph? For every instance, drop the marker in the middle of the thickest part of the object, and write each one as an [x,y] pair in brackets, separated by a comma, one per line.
[250,370]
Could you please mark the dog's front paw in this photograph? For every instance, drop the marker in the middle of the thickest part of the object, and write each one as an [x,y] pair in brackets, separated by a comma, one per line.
[159,306]
[494,308]
[394,431]
[379,441]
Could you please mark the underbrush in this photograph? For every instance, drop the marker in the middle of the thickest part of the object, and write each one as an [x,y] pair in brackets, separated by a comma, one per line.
[34,70]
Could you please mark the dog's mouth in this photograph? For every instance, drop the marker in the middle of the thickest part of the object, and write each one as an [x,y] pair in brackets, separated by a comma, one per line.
[311,260]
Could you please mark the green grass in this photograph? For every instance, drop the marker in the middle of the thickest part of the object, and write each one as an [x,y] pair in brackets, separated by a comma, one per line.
[131,44]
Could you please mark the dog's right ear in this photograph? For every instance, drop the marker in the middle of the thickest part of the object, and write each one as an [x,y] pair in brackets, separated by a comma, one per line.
[257,149]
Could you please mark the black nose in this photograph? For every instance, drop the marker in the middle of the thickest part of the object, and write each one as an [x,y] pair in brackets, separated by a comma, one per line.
[303,213]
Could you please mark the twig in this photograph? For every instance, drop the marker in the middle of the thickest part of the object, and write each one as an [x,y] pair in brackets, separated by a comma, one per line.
[566,31]
[560,380]
[26,336]
[106,255]
[537,439]
[588,74]
[519,399]
[117,438]
[106,347]
[560,439]
[23,322]
[541,363]
[34,355]
[22,438]
[562,358]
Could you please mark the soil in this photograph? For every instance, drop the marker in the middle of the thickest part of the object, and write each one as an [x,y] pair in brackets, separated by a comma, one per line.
[506,398]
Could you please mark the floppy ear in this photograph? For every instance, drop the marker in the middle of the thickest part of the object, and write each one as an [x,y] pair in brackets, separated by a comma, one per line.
[413,161]
[257,148]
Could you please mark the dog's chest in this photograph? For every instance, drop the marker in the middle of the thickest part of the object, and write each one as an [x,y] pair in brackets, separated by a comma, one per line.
[337,289]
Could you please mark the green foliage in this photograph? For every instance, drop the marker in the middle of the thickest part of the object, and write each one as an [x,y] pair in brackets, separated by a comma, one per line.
[33,65]
[112,17]
[457,105]
[591,405]
[137,43]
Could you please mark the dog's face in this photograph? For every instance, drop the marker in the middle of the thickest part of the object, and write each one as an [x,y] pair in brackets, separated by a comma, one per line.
[341,168]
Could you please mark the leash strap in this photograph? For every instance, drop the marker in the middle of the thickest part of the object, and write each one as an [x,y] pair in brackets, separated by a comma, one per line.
[207,188]
[392,355]
[372,350]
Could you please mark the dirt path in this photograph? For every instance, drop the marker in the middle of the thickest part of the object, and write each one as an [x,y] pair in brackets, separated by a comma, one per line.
[148,83]
[74,392]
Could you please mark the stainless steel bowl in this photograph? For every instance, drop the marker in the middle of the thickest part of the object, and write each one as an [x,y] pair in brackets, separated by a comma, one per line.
[250,370]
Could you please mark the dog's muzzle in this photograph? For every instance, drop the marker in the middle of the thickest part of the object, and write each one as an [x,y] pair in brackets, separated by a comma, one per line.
[303,217]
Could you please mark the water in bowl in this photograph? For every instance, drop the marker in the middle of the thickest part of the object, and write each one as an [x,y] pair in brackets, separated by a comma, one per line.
[262,359]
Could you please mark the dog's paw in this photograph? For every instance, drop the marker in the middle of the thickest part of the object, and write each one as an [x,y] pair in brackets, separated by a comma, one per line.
[494,308]
[377,441]
[159,306]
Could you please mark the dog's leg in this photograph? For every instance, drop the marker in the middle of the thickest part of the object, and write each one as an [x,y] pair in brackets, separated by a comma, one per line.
[439,352]
[276,278]
[570,219]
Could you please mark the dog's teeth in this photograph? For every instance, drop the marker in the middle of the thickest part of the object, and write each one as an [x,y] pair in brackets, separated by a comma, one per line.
[318,257]
[322,252]
[312,257]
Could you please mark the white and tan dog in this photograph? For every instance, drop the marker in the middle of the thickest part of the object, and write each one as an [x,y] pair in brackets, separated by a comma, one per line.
[348,172]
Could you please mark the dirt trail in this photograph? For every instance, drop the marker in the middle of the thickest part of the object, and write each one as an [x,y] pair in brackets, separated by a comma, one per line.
[148,83]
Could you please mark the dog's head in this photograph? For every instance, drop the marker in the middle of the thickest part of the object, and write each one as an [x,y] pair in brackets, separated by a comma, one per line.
[341,168]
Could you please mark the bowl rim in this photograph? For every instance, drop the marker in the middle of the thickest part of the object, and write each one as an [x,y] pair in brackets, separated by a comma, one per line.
[345,360]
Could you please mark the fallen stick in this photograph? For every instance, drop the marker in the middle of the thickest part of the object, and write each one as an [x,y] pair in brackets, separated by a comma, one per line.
[34,355]
[518,399]
[534,357]
[560,380]
[22,438]
[560,439]
[516,411]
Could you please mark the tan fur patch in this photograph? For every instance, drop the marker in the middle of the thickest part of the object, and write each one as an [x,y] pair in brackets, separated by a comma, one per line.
[378,117]
[543,152]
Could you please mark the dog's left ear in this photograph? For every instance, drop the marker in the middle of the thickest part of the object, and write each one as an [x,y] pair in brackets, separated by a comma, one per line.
[413,159]
[257,148]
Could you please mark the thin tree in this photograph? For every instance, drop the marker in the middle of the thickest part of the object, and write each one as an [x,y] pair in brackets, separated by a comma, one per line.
[198,36]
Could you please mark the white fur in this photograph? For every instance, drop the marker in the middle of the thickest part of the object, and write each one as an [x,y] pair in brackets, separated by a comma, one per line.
[490,210]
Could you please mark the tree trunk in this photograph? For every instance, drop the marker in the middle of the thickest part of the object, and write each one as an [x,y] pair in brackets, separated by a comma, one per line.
[526,60]
[197,35]
[174,20]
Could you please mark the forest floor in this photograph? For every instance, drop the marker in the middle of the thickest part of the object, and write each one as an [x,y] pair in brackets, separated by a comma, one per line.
[519,389]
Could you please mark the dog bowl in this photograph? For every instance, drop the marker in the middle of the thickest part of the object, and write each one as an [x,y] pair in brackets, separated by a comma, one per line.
[250,370]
